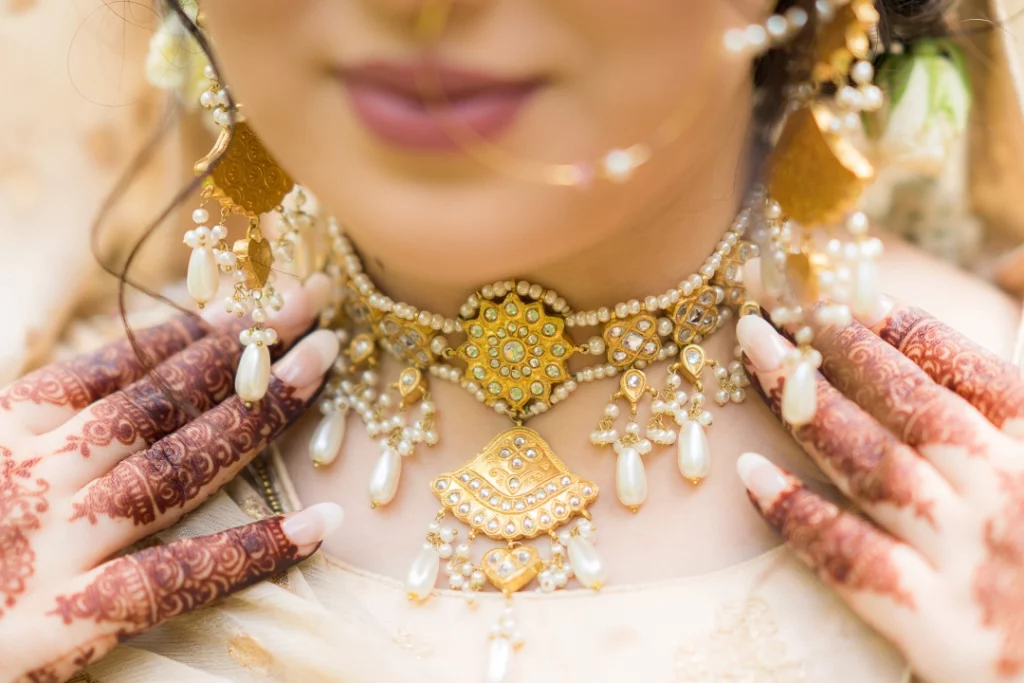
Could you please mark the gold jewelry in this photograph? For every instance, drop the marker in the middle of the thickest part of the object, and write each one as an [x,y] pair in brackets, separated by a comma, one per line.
[818,256]
[246,181]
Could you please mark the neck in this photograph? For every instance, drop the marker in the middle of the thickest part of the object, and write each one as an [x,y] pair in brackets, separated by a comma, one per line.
[650,252]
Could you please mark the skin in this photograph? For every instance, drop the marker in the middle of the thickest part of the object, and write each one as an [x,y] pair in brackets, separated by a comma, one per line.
[80,453]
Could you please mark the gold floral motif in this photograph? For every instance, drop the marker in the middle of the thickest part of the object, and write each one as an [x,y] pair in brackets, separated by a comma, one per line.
[246,180]
[631,340]
[696,316]
[515,351]
[516,488]
[406,339]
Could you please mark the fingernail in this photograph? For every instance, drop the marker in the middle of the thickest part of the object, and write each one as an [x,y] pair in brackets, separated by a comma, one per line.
[761,477]
[313,524]
[309,360]
[761,343]
[318,289]
[879,313]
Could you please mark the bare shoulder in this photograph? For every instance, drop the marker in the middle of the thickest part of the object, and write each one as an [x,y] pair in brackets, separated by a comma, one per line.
[969,304]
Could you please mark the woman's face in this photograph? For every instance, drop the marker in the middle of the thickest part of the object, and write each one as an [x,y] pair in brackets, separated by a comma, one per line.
[335,90]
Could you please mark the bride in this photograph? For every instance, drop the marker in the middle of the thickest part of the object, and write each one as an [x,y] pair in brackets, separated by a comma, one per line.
[538,233]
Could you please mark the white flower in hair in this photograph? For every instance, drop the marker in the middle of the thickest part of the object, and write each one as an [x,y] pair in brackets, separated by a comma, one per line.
[175,61]
[929,103]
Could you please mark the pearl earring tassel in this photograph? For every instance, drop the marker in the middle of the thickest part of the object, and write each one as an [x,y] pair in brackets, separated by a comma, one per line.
[385,476]
[630,478]
[422,574]
[693,455]
[203,276]
[253,377]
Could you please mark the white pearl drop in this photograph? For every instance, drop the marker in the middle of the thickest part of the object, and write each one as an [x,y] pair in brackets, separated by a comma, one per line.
[630,478]
[202,279]
[422,574]
[800,395]
[865,288]
[385,476]
[253,376]
[586,563]
[499,660]
[325,445]
[693,455]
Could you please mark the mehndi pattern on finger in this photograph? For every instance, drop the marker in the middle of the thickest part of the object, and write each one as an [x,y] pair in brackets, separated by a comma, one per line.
[175,470]
[139,591]
[993,386]
[896,391]
[199,377]
[22,500]
[843,549]
[999,582]
[83,380]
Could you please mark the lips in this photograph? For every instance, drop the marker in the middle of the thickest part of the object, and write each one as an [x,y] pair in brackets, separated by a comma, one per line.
[429,106]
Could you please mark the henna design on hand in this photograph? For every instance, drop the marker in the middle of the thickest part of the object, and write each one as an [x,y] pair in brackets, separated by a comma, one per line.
[878,467]
[895,391]
[22,500]
[990,384]
[199,377]
[82,381]
[63,668]
[841,548]
[999,581]
[139,591]
[175,470]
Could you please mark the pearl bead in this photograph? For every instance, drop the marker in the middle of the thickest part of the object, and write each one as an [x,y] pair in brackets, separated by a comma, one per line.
[422,576]
[693,455]
[385,476]
[586,563]
[202,279]
[444,551]
[595,345]
[630,478]
[200,216]
[800,395]
[253,376]
[325,444]
[499,660]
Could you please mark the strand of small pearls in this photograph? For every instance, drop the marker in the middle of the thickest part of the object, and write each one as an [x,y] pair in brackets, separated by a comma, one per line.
[686,287]
[756,39]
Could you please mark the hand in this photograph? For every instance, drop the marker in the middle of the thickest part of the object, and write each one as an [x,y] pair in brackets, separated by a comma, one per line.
[918,427]
[95,456]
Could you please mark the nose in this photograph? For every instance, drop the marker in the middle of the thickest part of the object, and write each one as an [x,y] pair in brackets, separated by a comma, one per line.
[427,17]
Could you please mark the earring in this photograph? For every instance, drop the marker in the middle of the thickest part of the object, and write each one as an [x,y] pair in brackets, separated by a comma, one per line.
[818,260]
[244,179]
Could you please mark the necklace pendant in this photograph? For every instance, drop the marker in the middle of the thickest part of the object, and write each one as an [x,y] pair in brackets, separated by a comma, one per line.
[515,489]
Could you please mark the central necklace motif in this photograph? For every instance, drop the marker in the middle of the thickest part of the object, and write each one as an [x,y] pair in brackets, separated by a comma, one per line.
[516,352]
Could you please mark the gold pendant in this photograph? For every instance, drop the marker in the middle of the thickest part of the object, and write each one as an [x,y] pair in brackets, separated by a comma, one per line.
[516,488]
[246,179]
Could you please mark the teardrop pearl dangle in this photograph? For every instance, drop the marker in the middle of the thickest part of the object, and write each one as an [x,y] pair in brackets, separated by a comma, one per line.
[253,376]
[325,444]
[693,455]
[385,476]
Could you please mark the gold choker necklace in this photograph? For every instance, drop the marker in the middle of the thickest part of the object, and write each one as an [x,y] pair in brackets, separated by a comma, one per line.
[510,347]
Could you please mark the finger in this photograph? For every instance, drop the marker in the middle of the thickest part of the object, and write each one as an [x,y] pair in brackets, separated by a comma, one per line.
[885,477]
[133,593]
[45,398]
[179,389]
[941,425]
[993,386]
[884,581]
[151,489]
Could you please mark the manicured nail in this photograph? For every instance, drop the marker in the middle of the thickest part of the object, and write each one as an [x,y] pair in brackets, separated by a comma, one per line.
[761,477]
[761,343]
[879,313]
[309,360]
[313,524]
